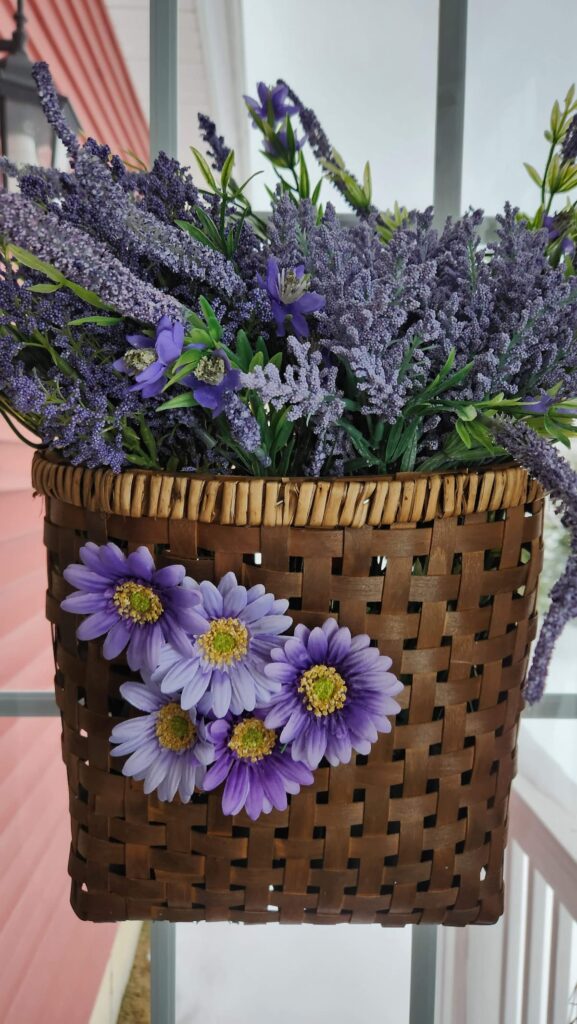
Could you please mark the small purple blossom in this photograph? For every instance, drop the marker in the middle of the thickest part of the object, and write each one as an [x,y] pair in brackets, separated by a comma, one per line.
[545,403]
[169,748]
[131,601]
[148,364]
[272,105]
[336,693]
[289,296]
[212,380]
[257,773]
[234,630]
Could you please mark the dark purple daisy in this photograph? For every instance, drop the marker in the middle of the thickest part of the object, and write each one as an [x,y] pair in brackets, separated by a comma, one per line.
[336,693]
[272,103]
[131,601]
[212,380]
[235,630]
[289,296]
[169,748]
[257,772]
[148,363]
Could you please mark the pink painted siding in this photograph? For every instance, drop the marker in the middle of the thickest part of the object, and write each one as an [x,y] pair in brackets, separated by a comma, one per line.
[51,963]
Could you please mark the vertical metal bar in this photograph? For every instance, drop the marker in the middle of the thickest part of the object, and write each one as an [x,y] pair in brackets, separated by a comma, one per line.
[423,974]
[162,973]
[163,77]
[452,55]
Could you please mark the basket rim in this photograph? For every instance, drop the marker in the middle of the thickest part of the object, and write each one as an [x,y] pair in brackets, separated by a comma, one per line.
[316,503]
[53,459]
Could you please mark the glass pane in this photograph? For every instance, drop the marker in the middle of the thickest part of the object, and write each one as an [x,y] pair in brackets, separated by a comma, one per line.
[349,63]
[517,65]
[28,135]
[254,974]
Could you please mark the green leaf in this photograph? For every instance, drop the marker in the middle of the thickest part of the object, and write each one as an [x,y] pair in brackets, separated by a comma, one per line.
[28,259]
[463,434]
[45,289]
[317,192]
[199,336]
[367,183]
[184,401]
[304,180]
[257,360]
[243,350]
[226,172]
[214,328]
[204,169]
[533,174]
[99,321]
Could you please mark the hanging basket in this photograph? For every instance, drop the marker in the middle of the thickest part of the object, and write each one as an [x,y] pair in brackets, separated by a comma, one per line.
[440,570]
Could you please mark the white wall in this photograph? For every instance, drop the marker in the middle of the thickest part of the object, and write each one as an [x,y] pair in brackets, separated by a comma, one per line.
[521,56]
[368,68]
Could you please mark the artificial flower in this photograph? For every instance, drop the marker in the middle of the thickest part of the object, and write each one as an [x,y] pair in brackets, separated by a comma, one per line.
[272,103]
[212,380]
[257,772]
[336,693]
[148,363]
[289,296]
[234,631]
[135,604]
[169,748]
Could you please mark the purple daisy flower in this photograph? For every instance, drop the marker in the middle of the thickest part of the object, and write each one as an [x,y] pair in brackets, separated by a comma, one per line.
[272,103]
[543,404]
[288,294]
[235,630]
[336,693]
[131,601]
[212,380]
[169,748]
[257,772]
[148,363]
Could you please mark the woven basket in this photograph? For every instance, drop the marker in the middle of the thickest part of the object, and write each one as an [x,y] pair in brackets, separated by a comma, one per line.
[440,570]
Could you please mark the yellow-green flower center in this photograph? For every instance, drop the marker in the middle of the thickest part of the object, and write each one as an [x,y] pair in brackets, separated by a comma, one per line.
[252,740]
[210,369]
[137,359]
[175,729]
[323,690]
[225,641]
[137,602]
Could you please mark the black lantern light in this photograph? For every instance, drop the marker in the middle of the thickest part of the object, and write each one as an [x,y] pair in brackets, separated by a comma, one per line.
[25,135]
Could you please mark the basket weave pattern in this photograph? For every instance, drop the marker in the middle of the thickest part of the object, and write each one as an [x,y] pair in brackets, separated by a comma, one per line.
[440,571]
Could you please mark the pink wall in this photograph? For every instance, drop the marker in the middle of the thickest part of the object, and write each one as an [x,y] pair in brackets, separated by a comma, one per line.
[52,963]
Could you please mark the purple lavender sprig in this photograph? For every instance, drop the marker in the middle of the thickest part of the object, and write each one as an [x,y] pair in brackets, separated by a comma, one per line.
[215,143]
[84,261]
[51,107]
[554,473]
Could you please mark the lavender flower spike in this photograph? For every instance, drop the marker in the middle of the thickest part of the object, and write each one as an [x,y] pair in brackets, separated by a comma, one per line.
[83,260]
[51,107]
[552,471]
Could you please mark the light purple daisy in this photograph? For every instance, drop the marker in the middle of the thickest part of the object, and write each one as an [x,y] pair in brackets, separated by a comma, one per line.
[257,772]
[147,362]
[212,379]
[336,692]
[169,748]
[131,601]
[235,630]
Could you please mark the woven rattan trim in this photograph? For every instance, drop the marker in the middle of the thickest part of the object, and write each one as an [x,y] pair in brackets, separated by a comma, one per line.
[245,501]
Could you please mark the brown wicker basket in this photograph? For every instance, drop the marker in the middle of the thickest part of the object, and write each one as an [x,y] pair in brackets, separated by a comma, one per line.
[440,570]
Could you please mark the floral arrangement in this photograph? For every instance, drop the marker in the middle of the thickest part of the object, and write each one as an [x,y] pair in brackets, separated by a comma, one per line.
[227,698]
[148,319]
